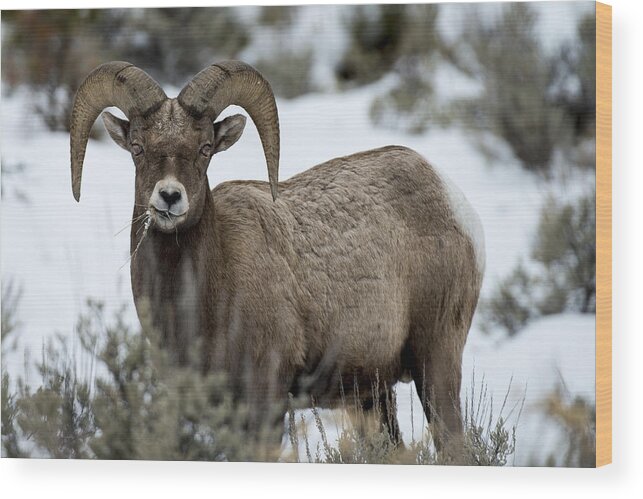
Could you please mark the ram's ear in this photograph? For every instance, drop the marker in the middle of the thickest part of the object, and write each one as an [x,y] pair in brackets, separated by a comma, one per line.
[227,132]
[117,128]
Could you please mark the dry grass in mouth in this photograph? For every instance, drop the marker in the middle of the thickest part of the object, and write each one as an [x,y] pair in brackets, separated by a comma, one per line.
[146,220]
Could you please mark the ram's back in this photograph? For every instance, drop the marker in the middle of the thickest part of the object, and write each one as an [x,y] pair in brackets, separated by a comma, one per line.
[391,184]
[358,244]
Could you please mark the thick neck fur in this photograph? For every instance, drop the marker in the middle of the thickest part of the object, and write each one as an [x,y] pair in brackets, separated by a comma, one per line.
[168,276]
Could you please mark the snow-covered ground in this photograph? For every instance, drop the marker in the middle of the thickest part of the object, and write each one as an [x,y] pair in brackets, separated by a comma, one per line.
[60,253]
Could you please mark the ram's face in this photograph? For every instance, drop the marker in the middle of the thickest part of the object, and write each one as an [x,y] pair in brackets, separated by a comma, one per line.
[172,151]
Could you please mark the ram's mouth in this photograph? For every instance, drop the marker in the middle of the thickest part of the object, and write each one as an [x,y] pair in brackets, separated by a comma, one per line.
[166,220]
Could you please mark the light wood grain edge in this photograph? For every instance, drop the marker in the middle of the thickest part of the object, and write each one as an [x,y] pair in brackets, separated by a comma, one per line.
[603,234]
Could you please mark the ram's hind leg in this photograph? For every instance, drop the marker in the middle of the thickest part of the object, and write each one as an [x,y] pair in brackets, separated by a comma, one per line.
[388,416]
[437,374]
[385,408]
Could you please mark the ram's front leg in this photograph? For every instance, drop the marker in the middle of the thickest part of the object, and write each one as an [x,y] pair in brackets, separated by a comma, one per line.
[265,402]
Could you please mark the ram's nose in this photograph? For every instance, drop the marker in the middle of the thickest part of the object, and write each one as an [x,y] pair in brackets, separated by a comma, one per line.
[170,195]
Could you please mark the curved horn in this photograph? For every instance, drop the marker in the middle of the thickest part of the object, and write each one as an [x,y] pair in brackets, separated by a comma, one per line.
[236,83]
[118,84]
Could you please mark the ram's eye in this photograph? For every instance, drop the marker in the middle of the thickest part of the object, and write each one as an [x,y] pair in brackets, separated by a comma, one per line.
[206,150]
[137,150]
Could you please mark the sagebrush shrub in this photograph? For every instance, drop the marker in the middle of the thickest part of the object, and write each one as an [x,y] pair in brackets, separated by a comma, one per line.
[52,51]
[385,37]
[512,304]
[566,247]
[574,86]
[114,394]
[288,72]
[561,275]
[576,416]
[516,74]
[133,404]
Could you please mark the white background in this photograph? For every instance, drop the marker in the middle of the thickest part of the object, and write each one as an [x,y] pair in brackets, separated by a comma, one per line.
[34,478]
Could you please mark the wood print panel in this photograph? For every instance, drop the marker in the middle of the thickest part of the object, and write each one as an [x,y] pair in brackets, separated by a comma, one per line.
[317,233]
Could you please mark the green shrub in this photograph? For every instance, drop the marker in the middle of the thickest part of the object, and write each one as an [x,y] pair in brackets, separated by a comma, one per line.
[113,393]
[384,37]
[488,439]
[563,271]
[512,304]
[10,437]
[566,247]
[410,105]
[9,327]
[52,51]
[173,44]
[577,418]
[375,35]
[278,15]
[517,76]
[288,72]
[575,83]
[132,403]
[10,324]
[57,416]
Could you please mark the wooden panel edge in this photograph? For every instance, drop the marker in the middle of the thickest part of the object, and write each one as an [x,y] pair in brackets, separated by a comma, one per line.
[603,234]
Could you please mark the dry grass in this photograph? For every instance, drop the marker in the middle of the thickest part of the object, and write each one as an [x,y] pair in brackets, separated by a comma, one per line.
[362,439]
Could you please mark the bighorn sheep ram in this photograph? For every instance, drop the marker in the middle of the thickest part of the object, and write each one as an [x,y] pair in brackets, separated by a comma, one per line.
[365,267]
